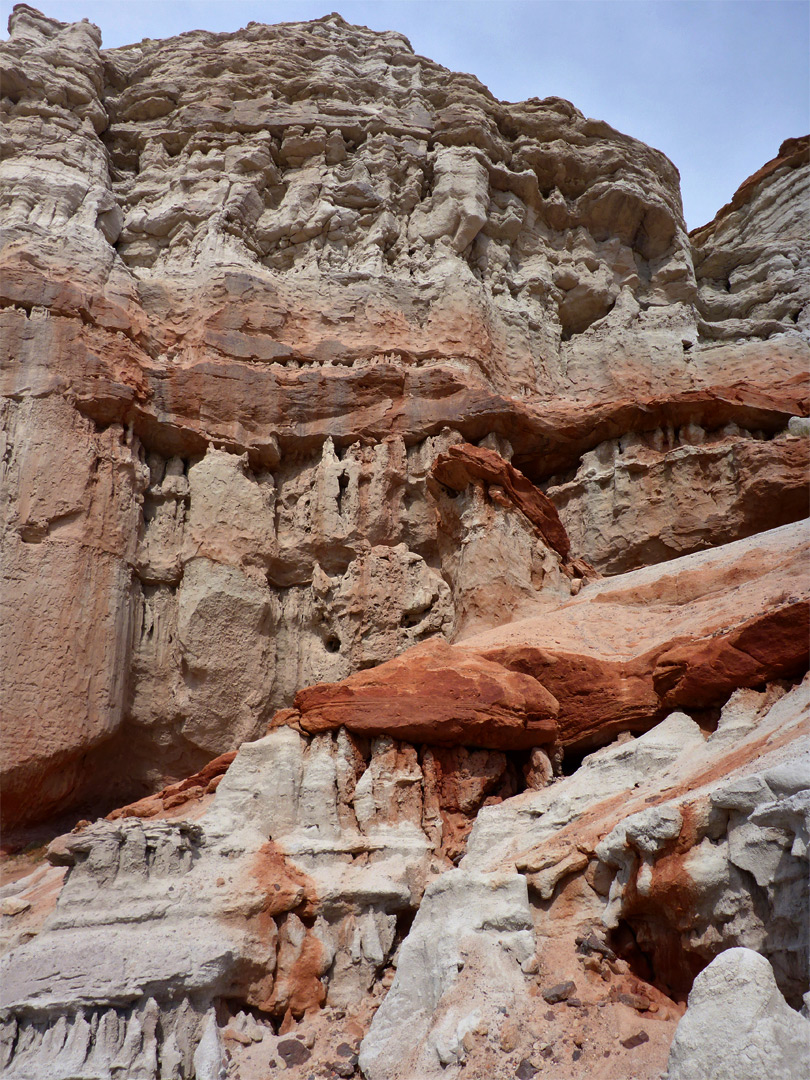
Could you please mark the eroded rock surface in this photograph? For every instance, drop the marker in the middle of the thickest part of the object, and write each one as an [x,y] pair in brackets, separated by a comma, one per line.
[751,261]
[372,451]
[623,913]
[256,284]
[738,1024]
[648,498]
[624,879]
[616,657]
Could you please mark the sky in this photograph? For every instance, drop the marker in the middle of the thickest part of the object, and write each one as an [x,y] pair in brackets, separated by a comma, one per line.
[716,84]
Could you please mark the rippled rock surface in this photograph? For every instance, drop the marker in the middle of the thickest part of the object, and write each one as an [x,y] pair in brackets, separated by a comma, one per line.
[403,548]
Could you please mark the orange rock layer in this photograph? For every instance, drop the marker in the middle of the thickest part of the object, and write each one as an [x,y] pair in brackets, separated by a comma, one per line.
[617,657]
[436,694]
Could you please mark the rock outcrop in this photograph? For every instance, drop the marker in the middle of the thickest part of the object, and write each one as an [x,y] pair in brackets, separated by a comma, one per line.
[647,498]
[404,576]
[614,658]
[751,261]
[253,286]
[623,879]
[738,1024]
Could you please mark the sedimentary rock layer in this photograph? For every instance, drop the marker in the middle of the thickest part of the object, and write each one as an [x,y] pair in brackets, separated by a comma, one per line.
[578,916]
[374,450]
[751,260]
[254,284]
[614,658]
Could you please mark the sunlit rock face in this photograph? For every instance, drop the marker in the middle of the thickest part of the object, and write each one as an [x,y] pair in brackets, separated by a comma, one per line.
[402,541]
[751,260]
[253,285]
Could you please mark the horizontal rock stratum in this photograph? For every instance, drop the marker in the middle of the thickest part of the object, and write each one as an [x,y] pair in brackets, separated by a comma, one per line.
[615,658]
[404,575]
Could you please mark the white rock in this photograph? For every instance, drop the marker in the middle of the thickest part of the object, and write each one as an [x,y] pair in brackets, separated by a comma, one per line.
[738,1026]
[461,913]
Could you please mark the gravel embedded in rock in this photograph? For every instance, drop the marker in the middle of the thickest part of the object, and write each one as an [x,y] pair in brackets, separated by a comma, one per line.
[292,1052]
[559,992]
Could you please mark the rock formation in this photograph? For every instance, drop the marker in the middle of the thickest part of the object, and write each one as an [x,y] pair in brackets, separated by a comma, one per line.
[403,564]
[738,1024]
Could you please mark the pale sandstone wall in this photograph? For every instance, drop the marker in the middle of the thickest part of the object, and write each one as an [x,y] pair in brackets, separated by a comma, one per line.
[294,322]
[281,270]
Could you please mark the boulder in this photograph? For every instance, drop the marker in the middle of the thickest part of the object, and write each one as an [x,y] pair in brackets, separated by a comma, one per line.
[738,1026]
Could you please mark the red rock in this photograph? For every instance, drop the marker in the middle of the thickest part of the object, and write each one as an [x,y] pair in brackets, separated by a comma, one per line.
[649,498]
[625,651]
[179,798]
[204,782]
[286,887]
[768,646]
[435,693]
[236,1036]
[214,769]
[466,777]
[460,465]
[616,657]
[151,806]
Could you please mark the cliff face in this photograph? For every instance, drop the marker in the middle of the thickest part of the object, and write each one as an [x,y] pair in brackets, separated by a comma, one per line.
[332,387]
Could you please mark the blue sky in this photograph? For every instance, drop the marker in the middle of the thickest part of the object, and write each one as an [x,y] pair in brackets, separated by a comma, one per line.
[716,84]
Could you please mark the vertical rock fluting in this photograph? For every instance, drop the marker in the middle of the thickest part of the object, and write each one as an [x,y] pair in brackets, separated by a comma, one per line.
[280,271]
[332,387]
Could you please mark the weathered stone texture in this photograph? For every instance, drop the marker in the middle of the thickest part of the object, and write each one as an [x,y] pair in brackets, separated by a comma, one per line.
[751,261]
[739,1025]
[285,269]
[372,450]
[616,657]
[647,498]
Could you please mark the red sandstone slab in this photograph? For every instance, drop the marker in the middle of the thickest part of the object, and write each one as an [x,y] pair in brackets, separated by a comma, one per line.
[617,657]
[435,693]
[683,634]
